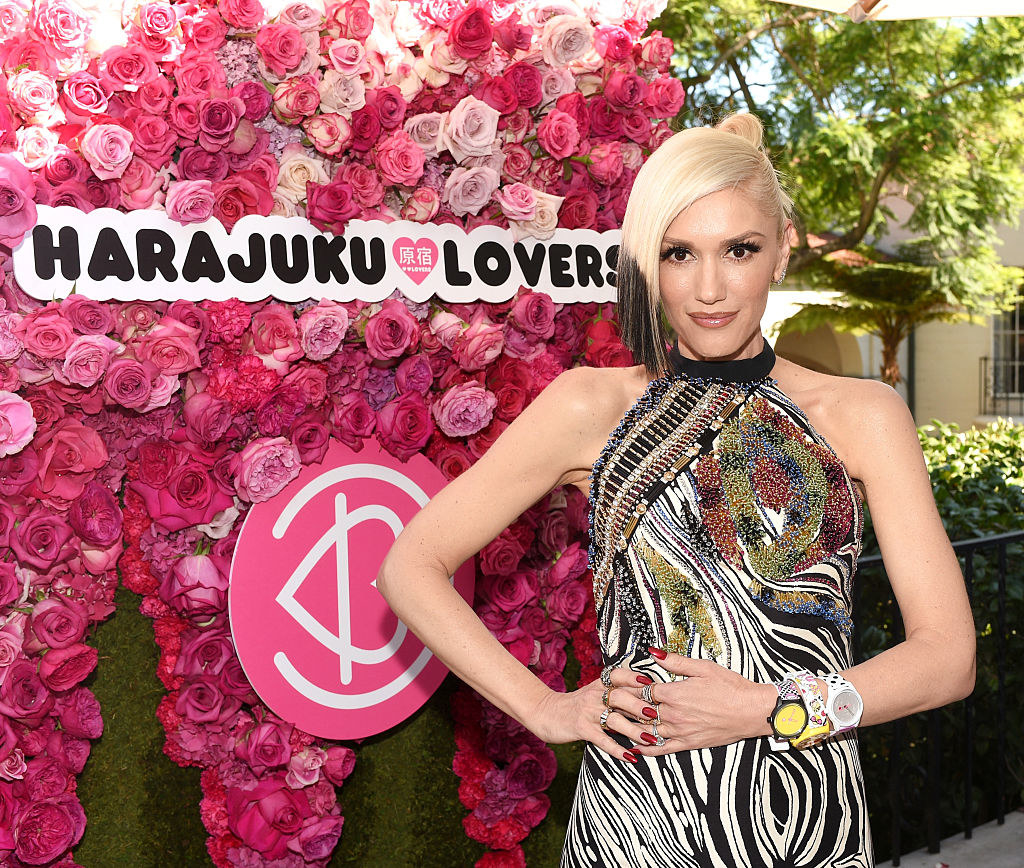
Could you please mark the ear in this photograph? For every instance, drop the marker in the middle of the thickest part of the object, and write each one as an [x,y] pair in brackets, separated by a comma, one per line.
[787,241]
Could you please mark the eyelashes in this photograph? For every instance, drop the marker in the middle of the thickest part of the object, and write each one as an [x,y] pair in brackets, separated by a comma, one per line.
[747,247]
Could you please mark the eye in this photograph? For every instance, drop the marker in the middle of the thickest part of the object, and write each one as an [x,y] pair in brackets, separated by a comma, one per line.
[746,250]
[674,254]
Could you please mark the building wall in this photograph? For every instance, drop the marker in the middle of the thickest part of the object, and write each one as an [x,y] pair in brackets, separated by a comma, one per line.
[947,363]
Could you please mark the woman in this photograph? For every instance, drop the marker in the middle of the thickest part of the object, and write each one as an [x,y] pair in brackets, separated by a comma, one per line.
[726,488]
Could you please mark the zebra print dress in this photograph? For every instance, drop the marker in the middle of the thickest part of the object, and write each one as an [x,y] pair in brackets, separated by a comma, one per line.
[724,527]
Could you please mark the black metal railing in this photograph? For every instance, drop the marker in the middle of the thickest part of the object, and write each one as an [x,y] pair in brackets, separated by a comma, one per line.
[969,552]
[1001,387]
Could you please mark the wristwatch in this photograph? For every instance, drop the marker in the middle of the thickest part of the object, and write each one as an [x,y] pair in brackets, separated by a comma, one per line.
[789,717]
[844,705]
[817,729]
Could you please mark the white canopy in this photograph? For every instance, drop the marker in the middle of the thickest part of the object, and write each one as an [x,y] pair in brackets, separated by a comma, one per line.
[892,10]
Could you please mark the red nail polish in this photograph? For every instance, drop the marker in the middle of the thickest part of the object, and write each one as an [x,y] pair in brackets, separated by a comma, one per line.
[630,757]
[645,679]
[657,652]
[650,739]
[649,712]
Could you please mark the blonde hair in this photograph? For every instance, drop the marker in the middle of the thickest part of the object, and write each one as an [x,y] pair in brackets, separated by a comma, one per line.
[690,165]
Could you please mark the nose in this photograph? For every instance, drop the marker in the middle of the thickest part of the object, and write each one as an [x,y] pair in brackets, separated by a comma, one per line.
[710,287]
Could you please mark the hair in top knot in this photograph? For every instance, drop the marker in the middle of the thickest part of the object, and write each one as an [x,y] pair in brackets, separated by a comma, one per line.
[686,167]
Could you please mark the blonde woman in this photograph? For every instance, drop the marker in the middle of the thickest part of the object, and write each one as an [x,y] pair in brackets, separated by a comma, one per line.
[728,491]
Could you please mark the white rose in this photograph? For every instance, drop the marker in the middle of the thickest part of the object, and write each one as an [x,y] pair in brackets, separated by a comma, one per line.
[33,146]
[564,38]
[545,221]
[341,94]
[296,169]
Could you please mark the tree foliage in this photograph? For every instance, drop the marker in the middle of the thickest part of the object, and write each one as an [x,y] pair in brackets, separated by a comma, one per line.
[856,114]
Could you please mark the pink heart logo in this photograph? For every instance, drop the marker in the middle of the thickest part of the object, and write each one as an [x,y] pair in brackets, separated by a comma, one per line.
[416,258]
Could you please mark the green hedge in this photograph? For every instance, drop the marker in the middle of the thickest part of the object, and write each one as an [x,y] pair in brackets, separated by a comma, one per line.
[401,804]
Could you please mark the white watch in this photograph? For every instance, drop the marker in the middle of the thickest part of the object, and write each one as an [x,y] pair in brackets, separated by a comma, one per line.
[844,704]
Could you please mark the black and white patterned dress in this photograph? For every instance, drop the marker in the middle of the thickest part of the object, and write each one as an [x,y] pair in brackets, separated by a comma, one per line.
[723,527]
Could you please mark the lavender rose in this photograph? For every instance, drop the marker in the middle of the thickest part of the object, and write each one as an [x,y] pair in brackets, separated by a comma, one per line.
[264,467]
[464,409]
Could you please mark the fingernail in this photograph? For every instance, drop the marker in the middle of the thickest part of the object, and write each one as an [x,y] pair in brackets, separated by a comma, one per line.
[657,652]
[649,712]
[650,739]
[645,679]
[629,757]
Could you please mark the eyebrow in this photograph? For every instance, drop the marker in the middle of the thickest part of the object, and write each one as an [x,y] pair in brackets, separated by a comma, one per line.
[744,236]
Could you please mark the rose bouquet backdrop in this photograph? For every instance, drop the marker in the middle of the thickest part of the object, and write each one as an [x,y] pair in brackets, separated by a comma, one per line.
[133,437]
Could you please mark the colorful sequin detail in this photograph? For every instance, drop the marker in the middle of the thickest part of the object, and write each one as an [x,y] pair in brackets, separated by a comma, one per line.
[686,604]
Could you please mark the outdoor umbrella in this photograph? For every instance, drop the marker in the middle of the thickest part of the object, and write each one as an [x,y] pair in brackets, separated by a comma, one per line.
[892,10]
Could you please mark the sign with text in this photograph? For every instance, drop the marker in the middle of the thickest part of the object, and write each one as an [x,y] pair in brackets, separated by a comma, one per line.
[316,639]
[145,256]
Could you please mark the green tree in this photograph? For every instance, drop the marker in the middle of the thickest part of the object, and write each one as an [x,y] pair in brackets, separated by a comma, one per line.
[930,111]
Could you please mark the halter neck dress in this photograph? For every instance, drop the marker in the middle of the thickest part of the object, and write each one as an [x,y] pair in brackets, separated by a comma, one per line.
[723,527]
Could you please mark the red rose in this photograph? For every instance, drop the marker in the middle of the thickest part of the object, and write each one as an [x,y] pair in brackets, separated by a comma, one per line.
[531,772]
[510,592]
[527,83]
[502,555]
[203,701]
[470,34]
[240,195]
[579,211]
[267,816]
[330,206]
[604,346]
[63,668]
[404,425]
[96,516]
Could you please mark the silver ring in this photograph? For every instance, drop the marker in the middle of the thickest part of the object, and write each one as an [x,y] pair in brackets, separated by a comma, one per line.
[604,698]
[606,675]
[604,719]
[648,694]
[654,731]
[657,713]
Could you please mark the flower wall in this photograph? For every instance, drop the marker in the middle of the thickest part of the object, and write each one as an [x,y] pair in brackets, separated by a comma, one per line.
[133,437]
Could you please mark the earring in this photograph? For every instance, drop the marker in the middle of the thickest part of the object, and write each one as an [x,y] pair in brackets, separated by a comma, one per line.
[782,277]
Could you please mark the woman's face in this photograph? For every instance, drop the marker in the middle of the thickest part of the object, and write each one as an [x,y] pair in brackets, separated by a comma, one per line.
[718,259]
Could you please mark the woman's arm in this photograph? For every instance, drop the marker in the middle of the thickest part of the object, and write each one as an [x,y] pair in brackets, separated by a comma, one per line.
[935,664]
[544,447]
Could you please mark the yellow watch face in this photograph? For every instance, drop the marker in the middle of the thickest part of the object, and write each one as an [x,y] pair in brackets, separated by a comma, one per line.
[790,720]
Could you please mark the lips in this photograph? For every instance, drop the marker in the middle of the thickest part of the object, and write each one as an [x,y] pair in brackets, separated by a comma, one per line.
[713,320]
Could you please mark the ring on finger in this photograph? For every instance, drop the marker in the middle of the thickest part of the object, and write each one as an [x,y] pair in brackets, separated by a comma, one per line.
[657,714]
[648,695]
[604,698]
[606,675]
[604,719]
[659,740]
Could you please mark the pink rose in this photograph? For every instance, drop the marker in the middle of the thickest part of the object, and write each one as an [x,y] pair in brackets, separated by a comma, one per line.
[479,344]
[48,828]
[281,46]
[96,516]
[153,138]
[267,816]
[79,713]
[353,419]
[422,205]
[17,424]
[256,97]
[203,700]
[502,555]
[391,331]
[568,600]
[564,39]
[414,374]
[330,133]
[63,668]
[202,651]
[207,417]
[472,129]
[613,43]
[56,622]
[18,471]
[129,383]
[17,210]
[517,201]
[61,25]
[69,455]
[330,206]
[195,587]
[46,332]
[464,409]
[42,539]
[399,159]
[322,328]
[657,51]
[426,131]
[199,74]
[339,764]
[275,335]
[625,91]
[509,592]
[83,96]
[189,201]
[170,346]
[265,467]
[534,314]
[265,745]
[246,15]
[404,426]
[352,19]
[558,134]
[126,68]
[108,150]
[347,56]
[140,185]
[34,96]
[23,696]
[295,99]
[468,190]
[666,97]
[526,80]
[317,838]
[241,194]
[86,316]
[218,120]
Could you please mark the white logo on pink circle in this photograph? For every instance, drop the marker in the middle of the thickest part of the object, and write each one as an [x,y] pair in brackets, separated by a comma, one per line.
[314,636]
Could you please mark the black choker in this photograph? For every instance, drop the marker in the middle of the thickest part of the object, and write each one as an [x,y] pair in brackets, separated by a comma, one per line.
[730,370]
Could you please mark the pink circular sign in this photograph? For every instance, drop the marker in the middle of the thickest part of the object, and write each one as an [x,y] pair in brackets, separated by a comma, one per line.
[315,637]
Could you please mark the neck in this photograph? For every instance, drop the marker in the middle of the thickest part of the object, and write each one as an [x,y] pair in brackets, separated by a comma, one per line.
[744,370]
